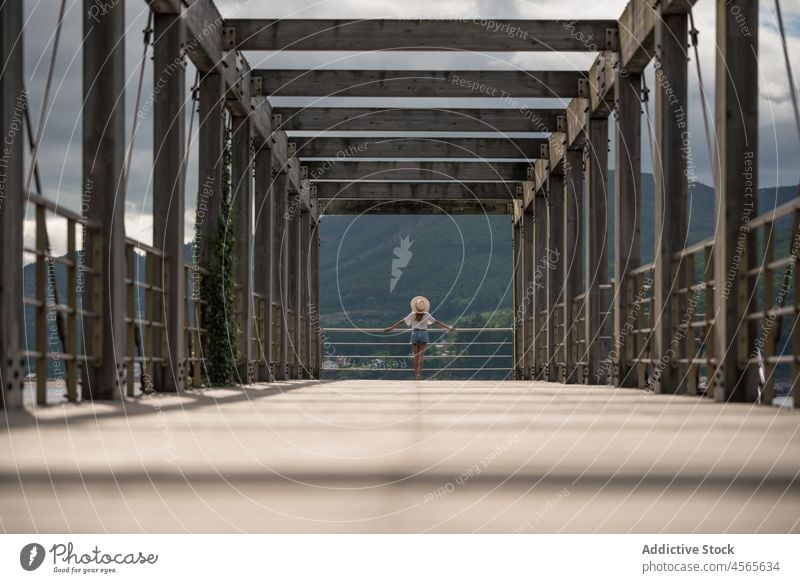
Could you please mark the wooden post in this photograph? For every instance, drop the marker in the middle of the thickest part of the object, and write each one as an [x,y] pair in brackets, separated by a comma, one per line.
[169,181]
[12,104]
[305,295]
[264,264]
[242,204]
[316,321]
[280,292]
[540,269]
[554,264]
[596,247]
[104,145]
[671,194]
[572,259]
[296,289]
[518,296]
[627,217]
[734,246]
[210,162]
[528,308]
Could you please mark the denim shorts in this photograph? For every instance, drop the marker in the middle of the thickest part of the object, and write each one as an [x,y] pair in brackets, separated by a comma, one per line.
[419,337]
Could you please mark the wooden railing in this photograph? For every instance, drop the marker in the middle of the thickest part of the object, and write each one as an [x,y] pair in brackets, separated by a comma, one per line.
[60,318]
[145,319]
[196,334]
[694,296]
[637,353]
[776,282]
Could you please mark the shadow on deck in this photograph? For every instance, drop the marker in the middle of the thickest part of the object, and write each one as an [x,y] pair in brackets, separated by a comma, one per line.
[397,456]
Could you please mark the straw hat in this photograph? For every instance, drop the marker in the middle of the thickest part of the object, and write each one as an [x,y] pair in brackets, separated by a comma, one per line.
[420,304]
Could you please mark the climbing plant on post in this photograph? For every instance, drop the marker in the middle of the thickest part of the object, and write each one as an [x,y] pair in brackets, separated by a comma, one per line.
[218,314]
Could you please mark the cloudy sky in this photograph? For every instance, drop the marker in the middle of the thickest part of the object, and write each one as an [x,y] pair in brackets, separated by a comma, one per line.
[60,158]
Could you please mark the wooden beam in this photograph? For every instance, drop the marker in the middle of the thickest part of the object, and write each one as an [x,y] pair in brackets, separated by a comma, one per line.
[292,244]
[467,191]
[555,268]
[529,263]
[596,251]
[169,199]
[577,114]
[602,76]
[480,35]
[413,147]
[636,34]
[104,146]
[671,196]
[627,222]
[347,170]
[280,190]
[305,295]
[541,268]
[518,281]
[572,259]
[263,258]
[322,119]
[399,83]
[556,149]
[426,207]
[242,204]
[736,114]
[12,154]
[210,157]
[314,308]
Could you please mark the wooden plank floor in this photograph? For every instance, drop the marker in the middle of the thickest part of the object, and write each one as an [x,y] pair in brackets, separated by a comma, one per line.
[397,456]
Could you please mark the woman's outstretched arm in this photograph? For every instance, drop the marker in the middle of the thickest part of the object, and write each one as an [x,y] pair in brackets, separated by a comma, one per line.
[393,326]
[443,325]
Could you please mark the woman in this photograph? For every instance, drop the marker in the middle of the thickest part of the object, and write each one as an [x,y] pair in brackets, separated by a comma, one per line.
[418,320]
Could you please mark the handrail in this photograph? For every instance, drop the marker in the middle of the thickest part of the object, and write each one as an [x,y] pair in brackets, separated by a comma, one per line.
[642,269]
[380,330]
[694,249]
[57,209]
[775,214]
[150,250]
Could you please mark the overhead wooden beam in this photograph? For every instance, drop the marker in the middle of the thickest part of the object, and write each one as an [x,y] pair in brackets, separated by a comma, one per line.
[414,147]
[427,207]
[399,83]
[356,170]
[577,114]
[467,191]
[208,51]
[12,97]
[482,35]
[417,119]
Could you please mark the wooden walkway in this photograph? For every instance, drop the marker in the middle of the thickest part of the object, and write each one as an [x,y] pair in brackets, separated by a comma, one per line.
[394,456]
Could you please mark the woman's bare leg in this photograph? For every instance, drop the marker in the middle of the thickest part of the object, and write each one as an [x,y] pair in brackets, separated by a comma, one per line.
[421,357]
